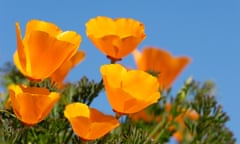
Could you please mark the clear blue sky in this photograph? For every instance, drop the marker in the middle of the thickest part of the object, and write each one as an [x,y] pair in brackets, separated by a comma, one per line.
[208,31]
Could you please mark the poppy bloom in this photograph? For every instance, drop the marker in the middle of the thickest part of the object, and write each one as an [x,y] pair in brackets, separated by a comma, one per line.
[179,125]
[116,38]
[89,123]
[160,62]
[143,115]
[180,133]
[32,104]
[129,91]
[44,49]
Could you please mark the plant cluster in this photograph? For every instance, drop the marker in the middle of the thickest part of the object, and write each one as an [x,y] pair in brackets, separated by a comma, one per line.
[37,106]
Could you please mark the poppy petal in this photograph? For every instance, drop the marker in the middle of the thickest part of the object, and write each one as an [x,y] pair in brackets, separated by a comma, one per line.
[31,104]
[113,74]
[116,38]
[166,66]
[60,74]
[72,110]
[89,123]
[129,91]
[97,27]
[44,49]
[51,52]
[19,56]
[37,25]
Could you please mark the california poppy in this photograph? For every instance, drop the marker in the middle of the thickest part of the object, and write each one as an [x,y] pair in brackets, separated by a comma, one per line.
[44,49]
[32,104]
[129,91]
[116,38]
[181,132]
[143,115]
[179,124]
[160,62]
[89,123]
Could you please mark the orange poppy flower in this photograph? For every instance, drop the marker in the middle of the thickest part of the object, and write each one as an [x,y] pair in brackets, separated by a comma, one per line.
[59,75]
[44,49]
[32,104]
[142,115]
[129,91]
[116,38]
[89,123]
[179,135]
[162,63]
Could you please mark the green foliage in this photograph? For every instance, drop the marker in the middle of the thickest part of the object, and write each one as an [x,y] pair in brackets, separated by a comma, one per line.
[10,75]
[209,128]
[83,91]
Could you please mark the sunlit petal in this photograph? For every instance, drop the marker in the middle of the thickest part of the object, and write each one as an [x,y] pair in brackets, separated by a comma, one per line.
[116,38]
[31,104]
[89,123]
[129,91]
[44,49]
[166,66]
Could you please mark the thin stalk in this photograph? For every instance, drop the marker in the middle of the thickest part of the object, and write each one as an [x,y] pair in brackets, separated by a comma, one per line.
[156,129]
[5,111]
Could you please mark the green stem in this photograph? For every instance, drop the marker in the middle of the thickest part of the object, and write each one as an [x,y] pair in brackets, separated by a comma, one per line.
[5,111]
[34,134]
[160,134]
[156,129]
[68,137]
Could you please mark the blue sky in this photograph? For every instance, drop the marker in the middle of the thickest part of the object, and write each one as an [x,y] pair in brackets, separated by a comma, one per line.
[207,31]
